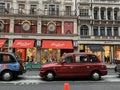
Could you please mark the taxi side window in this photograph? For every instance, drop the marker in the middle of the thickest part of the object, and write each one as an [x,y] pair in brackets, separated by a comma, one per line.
[69,59]
[5,58]
[81,58]
[93,58]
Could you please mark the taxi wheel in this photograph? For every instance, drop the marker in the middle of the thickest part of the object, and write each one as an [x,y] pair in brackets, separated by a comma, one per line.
[95,76]
[7,75]
[49,76]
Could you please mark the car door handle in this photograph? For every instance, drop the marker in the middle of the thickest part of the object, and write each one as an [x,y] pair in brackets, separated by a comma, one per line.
[71,67]
[87,66]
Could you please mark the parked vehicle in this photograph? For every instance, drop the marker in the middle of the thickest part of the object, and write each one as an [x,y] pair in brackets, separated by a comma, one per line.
[75,65]
[10,66]
[117,66]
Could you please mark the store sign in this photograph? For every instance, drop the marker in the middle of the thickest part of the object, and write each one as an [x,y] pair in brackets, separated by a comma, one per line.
[2,42]
[55,44]
[24,44]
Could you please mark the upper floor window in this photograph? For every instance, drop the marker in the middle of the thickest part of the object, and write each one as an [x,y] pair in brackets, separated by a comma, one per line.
[95,30]
[109,14]
[116,33]
[102,31]
[115,15]
[21,8]
[2,7]
[51,9]
[84,12]
[109,31]
[33,9]
[84,30]
[45,7]
[102,14]
[68,10]
[95,14]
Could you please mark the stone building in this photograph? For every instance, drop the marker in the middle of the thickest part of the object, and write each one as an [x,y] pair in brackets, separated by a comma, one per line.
[48,28]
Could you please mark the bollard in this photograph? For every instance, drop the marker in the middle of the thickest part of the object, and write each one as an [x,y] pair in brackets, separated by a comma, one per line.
[66,86]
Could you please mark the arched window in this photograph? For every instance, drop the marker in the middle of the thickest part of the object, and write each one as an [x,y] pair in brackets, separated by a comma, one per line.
[84,30]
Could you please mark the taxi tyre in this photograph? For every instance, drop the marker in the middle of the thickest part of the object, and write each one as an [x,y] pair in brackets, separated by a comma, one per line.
[95,75]
[7,75]
[49,76]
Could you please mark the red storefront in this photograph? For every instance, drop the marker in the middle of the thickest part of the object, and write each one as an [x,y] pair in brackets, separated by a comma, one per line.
[54,49]
[21,47]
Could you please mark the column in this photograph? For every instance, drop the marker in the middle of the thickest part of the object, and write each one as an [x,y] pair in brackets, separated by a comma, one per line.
[118,31]
[75,27]
[113,14]
[14,7]
[27,7]
[38,51]
[11,26]
[112,31]
[99,13]
[98,30]
[106,14]
[106,31]
[39,26]
[10,42]
[62,27]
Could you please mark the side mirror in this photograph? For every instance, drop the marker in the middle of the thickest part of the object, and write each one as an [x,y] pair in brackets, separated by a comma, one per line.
[63,61]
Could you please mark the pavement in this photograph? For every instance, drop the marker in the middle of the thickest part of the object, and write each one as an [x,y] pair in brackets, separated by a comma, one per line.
[38,66]
[111,66]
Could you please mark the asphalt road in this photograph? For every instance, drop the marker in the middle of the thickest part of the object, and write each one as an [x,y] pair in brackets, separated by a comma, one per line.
[60,86]
[31,81]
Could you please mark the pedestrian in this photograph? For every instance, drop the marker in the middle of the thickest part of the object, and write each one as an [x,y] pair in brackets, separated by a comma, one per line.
[48,60]
[27,59]
[31,59]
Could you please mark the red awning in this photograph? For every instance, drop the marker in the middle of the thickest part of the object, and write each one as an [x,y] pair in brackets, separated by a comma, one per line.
[59,44]
[23,44]
[2,42]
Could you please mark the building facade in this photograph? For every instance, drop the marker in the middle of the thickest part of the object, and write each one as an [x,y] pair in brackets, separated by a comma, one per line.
[46,29]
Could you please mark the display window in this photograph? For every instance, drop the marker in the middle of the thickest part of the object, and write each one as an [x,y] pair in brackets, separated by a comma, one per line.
[50,55]
[25,53]
[31,55]
[116,52]
[21,53]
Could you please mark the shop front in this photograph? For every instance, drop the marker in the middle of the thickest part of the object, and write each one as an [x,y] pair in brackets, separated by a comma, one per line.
[52,50]
[106,53]
[25,49]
